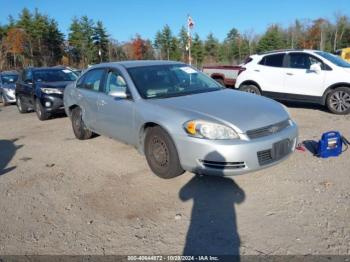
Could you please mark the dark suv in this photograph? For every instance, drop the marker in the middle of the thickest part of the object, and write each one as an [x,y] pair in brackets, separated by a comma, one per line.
[41,89]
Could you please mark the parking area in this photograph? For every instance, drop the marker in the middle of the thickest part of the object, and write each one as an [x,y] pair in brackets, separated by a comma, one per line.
[60,195]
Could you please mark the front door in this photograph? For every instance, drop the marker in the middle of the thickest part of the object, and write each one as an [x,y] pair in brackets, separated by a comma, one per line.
[116,115]
[300,80]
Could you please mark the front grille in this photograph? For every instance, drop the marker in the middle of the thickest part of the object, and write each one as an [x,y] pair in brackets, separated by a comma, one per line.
[279,150]
[265,157]
[223,165]
[267,130]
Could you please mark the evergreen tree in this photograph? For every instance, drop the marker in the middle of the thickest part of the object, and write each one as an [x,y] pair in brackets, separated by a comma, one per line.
[271,40]
[100,38]
[211,47]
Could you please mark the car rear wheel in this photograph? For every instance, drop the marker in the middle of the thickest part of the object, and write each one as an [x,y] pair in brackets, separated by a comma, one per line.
[79,128]
[250,89]
[338,101]
[161,153]
[220,81]
[40,111]
[22,108]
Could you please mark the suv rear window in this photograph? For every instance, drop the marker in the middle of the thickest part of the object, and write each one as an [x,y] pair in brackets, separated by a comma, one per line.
[275,60]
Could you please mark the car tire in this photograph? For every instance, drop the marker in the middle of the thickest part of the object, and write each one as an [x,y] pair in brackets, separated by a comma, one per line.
[40,111]
[22,108]
[79,128]
[338,101]
[161,153]
[250,89]
[220,81]
[3,100]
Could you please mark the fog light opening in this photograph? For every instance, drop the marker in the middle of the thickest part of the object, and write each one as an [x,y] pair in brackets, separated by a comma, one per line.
[47,104]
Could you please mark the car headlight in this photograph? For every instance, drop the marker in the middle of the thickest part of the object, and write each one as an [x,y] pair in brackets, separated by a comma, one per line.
[51,90]
[209,130]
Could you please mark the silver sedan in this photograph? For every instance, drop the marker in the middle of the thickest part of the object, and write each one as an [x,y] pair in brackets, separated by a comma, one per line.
[8,81]
[179,118]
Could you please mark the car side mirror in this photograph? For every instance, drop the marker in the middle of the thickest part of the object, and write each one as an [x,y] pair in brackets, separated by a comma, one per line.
[28,82]
[119,94]
[316,68]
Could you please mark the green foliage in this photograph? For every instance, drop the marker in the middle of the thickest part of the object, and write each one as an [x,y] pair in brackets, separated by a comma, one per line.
[271,40]
[41,43]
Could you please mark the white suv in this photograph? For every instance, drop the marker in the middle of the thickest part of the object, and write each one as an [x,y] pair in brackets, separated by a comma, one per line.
[299,75]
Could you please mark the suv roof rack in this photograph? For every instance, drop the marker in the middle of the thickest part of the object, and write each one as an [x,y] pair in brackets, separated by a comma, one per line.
[281,50]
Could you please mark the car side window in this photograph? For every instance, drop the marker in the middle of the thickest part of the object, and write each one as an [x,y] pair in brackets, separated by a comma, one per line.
[115,82]
[304,61]
[91,80]
[27,76]
[275,60]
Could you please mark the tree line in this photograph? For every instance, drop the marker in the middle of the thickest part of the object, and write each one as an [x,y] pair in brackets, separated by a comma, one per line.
[35,39]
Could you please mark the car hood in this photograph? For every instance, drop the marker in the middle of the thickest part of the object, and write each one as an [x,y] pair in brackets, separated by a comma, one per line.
[9,86]
[240,110]
[60,84]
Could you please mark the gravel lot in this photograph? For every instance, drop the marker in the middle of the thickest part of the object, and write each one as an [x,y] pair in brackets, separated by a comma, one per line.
[59,195]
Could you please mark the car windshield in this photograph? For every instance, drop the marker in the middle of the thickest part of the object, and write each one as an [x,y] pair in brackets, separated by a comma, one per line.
[54,75]
[162,81]
[334,59]
[9,79]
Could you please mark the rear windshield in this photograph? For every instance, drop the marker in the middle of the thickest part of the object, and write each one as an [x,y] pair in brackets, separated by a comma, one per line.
[8,79]
[334,59]
[54,75]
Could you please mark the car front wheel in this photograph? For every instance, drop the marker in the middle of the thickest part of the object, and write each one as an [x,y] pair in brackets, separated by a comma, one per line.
[338,101]
[161,153]
[22,108]
[3,100]
[80,130]
[40,111]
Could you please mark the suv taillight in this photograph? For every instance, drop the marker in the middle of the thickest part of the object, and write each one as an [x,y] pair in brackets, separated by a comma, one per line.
[241,70]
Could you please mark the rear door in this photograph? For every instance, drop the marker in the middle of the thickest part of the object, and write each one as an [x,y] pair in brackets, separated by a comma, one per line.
[88,91]
[115,115]
[272,73]
[300,80]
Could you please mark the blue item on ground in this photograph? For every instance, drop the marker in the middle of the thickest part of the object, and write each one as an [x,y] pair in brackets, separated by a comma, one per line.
[331,144]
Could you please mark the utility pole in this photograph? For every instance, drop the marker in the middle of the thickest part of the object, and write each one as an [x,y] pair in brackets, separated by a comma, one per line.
[190,25]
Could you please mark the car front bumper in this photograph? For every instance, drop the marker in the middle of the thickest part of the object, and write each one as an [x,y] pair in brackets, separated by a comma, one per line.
[233,157]
[52,103]
[9,95]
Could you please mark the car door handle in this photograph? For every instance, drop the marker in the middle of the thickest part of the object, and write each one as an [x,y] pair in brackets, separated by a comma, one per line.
[257,70]
[290,74]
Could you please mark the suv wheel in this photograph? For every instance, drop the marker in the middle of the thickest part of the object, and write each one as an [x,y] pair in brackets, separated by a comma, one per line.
[80,130]
[22,108]
[250,89]
[161,153]
[40,111]
[338,101]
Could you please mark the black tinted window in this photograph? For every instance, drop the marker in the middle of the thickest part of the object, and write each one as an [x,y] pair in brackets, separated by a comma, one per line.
[273,60]
[9,79]
[54,75]
[91,80]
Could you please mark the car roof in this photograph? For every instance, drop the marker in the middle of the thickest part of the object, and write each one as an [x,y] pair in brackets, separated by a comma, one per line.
[288,50]
[9,72]
[139,63]
[48,68]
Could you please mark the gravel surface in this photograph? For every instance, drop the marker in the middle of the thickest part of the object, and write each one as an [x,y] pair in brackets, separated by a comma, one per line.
[59,195]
